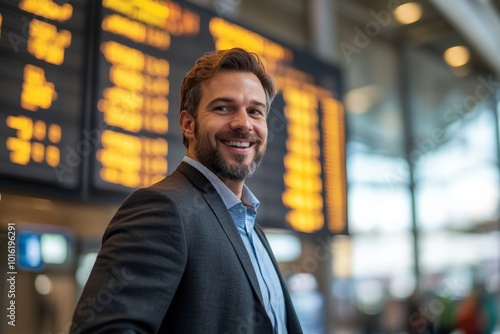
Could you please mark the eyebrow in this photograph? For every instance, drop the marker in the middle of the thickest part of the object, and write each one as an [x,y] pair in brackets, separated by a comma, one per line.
[230,100]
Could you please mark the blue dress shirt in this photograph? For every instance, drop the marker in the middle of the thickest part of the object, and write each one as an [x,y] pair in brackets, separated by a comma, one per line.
[243,213]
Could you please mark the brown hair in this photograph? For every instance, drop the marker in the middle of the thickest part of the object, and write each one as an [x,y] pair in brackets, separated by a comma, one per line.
[211,63]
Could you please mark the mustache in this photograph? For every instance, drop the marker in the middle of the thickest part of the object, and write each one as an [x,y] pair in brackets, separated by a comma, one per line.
[238,135]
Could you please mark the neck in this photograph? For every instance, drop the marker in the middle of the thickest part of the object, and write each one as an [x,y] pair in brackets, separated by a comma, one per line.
[236,186]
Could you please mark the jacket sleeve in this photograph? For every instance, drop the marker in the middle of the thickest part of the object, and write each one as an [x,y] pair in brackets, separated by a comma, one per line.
[138,269]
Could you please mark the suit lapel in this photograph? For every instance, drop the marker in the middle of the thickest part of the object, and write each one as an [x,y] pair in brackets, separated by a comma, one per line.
[225,220]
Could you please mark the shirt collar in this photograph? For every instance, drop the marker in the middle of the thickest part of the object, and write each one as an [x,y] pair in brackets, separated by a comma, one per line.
[248,199]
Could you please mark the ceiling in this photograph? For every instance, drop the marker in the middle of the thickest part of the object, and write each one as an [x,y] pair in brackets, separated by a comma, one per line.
[444,23]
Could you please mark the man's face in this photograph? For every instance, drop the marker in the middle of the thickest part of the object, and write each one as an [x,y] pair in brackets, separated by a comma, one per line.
[230,132]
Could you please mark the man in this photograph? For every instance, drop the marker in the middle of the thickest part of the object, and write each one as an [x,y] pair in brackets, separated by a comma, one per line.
[184,255]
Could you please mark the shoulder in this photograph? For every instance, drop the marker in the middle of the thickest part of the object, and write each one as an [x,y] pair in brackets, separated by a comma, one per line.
[152,208]
[185,187]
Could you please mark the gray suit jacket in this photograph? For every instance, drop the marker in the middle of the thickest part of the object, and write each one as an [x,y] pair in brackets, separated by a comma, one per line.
[172,261]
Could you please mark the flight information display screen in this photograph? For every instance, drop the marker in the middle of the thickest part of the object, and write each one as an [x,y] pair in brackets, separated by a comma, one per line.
[41,90]
[141,52]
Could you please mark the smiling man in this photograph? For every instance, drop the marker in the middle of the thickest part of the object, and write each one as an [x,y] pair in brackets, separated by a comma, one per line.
[189,255]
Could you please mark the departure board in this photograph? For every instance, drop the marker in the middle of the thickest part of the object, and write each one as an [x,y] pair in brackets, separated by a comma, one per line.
[133,91]
[41,92]
[142,51]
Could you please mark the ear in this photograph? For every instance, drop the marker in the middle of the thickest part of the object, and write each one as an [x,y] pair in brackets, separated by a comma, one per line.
[187,124]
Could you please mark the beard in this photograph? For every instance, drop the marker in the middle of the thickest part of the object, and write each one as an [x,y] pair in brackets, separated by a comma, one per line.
[213,159]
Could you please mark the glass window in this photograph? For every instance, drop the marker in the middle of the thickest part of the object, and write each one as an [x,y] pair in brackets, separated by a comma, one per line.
[457,183]
[379,209]
[457,179]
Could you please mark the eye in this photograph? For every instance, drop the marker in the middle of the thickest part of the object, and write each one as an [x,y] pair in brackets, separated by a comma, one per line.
[256,112]
[221,108]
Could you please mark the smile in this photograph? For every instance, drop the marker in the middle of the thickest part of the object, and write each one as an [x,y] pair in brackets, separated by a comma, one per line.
[233,143]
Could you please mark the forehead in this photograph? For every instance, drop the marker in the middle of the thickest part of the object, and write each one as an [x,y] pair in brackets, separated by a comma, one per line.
[234,84]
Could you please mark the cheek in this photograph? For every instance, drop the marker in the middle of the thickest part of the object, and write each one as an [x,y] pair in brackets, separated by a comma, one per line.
[263,131]
[206,131]
[211,135]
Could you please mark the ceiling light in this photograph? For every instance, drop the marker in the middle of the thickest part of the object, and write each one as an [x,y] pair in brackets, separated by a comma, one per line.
[407,13]
[457,56]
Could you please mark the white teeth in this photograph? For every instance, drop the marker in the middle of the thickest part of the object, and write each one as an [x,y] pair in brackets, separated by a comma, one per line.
[238,143]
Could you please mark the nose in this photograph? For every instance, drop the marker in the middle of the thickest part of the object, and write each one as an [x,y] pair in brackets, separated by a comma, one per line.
[241,121]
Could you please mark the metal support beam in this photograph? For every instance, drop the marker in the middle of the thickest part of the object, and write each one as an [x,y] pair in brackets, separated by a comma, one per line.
[322,29]
[479,24]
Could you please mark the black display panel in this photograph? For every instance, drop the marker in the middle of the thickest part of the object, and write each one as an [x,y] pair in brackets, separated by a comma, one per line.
[41,90]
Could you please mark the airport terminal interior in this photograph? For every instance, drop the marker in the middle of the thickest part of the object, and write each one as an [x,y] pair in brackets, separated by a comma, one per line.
[380,189]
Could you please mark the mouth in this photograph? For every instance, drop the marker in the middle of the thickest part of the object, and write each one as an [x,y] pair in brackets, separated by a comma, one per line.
[237,143]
